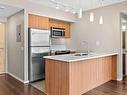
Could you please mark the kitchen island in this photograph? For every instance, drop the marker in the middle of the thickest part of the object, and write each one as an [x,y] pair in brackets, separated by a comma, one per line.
[74,75]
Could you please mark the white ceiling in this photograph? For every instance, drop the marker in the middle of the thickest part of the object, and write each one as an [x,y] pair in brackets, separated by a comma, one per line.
[84,4]
[6,11]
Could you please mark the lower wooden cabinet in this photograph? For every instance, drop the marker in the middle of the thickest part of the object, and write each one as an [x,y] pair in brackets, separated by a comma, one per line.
[78,77]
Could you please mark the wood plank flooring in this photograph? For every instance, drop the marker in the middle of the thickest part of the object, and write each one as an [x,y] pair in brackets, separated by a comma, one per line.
[10,86]
[110,88]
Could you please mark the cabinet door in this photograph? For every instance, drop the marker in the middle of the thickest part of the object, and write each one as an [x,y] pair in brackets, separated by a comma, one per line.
[61,24]
[65,26]
[43,22]
[53,23]
[33,21]
[38,22]
[67,31]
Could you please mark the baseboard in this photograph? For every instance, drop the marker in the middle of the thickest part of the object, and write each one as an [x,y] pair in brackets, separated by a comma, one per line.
[26,82]
[119,79]
[2,72]
[17,78]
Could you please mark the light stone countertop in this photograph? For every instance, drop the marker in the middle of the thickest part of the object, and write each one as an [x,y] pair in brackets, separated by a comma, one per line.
[73,58]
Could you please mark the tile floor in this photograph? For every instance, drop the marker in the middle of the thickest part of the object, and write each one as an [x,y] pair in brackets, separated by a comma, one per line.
[40,85]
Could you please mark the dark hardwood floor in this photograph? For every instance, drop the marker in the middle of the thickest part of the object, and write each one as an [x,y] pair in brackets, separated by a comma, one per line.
[10,86]
[110,88]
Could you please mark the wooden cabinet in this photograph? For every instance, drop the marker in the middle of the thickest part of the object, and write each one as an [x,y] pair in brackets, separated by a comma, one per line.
[2,63]
[61,24]
[78,77]
[38,22]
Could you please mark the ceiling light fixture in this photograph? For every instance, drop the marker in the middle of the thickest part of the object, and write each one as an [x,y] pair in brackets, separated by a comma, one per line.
[57,6]
[124,21]
[101,20]
[74,12]
[67,8]
[80,13]
[80,10]
[92,14]
[124,27]
[91,17]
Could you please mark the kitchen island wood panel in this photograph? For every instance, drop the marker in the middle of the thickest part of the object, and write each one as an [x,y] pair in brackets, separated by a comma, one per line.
[76,78]
[57,78]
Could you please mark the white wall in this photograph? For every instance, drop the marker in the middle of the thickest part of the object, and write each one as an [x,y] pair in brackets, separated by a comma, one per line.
[39,9]
[108,34]
[15,53]
[2,19]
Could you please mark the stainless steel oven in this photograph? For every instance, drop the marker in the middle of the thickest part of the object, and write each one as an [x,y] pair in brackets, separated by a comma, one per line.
[57,32]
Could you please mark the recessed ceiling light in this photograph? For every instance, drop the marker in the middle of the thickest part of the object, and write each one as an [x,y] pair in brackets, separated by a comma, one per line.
[2,7]
[74,12]
[66,10]
[124,21]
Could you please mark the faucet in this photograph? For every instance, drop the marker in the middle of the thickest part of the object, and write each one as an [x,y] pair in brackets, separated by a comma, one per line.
[85,44]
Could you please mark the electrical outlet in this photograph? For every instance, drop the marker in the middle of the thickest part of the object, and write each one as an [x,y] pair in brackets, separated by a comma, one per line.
[97,43]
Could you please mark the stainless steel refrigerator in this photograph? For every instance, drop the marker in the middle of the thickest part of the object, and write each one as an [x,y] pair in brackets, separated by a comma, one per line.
[39,46]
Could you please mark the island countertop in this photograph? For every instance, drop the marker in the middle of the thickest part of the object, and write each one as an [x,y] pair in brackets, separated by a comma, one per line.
[73,58]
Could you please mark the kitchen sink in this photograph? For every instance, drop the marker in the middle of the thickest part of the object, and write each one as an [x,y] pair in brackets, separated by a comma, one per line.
[81,54]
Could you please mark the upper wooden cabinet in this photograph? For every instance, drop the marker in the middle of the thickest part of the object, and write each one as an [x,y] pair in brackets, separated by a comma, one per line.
[61,24]
[41,22]
[38,22]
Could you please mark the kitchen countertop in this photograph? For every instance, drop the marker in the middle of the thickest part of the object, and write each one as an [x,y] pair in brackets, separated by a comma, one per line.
[73,58]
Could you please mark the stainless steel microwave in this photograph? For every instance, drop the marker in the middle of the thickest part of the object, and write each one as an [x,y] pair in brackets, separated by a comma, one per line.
[57,32]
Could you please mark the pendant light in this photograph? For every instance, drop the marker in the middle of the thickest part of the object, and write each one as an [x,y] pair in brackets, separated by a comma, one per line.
[92,14]
[57,6]
[80,13]
[91,17]
[101,20]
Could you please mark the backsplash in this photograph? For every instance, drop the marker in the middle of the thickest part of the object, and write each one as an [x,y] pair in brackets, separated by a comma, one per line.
[58,44]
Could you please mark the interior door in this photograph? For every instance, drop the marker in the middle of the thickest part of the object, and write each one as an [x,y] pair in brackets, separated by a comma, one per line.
[2,48]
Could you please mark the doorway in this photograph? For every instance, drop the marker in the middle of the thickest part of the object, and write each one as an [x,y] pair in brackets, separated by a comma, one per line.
[124,44]
[2,48]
